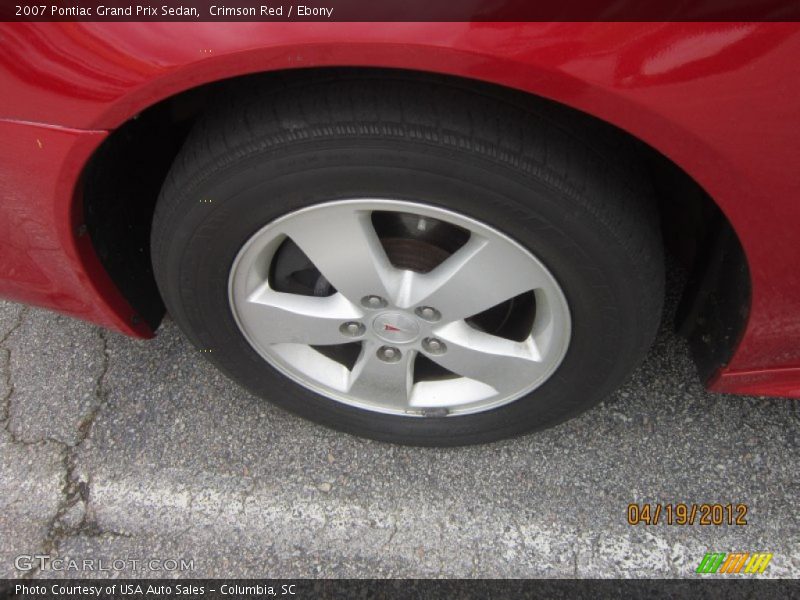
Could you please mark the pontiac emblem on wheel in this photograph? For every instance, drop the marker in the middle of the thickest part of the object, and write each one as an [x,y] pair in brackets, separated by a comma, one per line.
[396,327]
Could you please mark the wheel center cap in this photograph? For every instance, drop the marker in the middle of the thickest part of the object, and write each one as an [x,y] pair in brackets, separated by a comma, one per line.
[396,327]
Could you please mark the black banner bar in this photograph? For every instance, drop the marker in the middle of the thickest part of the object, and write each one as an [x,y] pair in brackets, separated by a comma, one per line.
[732,588]
[398,10]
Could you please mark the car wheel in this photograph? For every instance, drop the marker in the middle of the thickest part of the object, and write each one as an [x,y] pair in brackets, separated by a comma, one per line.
[408,261]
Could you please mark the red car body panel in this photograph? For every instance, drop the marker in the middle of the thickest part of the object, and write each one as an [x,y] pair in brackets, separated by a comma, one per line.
[719,99]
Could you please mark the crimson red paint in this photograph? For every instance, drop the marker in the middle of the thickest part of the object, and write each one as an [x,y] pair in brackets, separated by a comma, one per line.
[719,99]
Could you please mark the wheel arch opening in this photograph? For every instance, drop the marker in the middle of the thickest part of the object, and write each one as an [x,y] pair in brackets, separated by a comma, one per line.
[122,181]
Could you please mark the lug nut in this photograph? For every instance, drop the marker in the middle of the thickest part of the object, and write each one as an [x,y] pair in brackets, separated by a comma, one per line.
[434,346]
[428,313]
[389,354]
[373,302]
[352,329]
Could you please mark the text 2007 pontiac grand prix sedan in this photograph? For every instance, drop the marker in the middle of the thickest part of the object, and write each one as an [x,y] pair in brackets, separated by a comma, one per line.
[426,233]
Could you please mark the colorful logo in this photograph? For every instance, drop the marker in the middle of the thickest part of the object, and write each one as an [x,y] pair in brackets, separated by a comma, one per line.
[736,562]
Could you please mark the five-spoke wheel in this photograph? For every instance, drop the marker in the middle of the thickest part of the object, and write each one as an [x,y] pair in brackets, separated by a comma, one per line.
[481,308]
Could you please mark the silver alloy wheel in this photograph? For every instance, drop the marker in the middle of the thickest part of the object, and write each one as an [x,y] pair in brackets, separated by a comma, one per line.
[398,314]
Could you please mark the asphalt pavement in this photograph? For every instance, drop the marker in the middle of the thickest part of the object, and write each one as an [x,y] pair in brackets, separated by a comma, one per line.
[115,449]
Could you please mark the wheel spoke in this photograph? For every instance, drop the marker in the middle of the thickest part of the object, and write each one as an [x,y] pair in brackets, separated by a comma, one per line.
[387,383]
[480,275]
[504,364]
[276,317]
[343,245]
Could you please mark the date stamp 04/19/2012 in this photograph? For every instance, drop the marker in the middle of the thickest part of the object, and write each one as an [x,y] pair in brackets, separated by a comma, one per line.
[683,513]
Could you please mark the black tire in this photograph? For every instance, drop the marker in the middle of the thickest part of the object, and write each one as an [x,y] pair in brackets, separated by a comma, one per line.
[551,179]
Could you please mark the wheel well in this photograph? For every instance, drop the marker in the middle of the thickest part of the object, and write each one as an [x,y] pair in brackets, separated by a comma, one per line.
[122,181]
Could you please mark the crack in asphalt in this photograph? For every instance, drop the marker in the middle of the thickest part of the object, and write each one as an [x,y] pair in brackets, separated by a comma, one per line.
[9,382]
[20,318]
[6,407]
[75,492]
[7,375]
